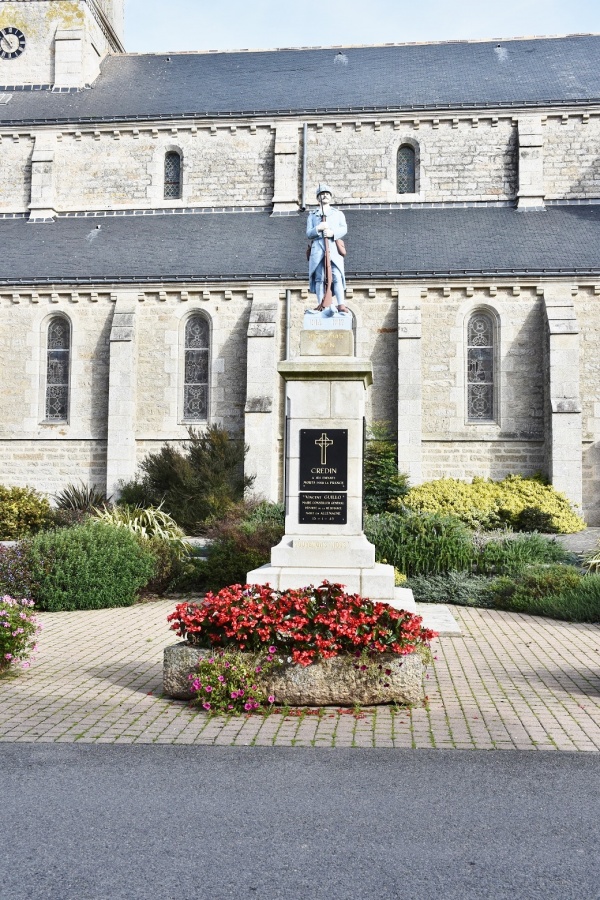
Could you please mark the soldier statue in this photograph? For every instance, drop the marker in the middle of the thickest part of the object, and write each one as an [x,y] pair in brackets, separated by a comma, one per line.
[325,229]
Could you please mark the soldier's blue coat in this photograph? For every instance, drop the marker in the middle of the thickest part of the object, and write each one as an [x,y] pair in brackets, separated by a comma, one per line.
[337,222]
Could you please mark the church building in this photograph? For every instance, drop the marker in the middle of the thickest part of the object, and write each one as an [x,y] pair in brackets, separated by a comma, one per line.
[153,265]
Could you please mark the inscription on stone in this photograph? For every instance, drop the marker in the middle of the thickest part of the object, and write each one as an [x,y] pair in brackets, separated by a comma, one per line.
[323,459]
[323,509]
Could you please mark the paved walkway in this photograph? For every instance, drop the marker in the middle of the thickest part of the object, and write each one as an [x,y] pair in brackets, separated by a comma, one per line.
[508,681]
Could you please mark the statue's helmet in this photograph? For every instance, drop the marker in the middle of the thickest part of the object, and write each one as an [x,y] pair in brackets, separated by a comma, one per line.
[323,189]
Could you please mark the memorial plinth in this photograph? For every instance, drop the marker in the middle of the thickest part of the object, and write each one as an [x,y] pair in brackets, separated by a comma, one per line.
[324,538]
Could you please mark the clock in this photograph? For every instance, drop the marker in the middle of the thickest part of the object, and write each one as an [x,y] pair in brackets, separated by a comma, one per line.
[12,42]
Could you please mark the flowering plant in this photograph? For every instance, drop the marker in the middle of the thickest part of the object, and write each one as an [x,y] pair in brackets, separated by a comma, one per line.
[19,628]
[305,625]
[230,682]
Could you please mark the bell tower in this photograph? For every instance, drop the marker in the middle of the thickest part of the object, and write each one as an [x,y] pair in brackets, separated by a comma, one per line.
[60,43]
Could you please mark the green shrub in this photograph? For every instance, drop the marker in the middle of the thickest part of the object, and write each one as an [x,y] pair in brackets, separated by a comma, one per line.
[516,502]
[193,484]
[169,564]
[146,523]
[421,543]
[524,592]
[23,511]
[90,566]
[240,541]
[512,555]
[560,592]
[383,483]
[458,588]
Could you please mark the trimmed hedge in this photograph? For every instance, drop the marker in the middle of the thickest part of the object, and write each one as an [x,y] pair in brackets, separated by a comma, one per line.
[524,504]
[90,566]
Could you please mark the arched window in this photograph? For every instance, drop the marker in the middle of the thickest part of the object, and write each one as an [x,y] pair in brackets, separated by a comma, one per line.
[173,175]
[406,170]
[196,369]
[480,368]
[57,370]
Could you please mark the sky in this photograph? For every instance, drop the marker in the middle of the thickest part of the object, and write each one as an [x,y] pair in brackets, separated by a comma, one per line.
[162,25]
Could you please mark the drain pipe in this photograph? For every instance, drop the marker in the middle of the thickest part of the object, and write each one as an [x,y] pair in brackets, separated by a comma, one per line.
[288,324]
[304,162]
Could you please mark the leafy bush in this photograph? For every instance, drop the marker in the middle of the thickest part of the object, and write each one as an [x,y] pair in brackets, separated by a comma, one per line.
[576,604]
[515,502]
[511,556]
[90,566]
[421,543]
[23,511]
[19,628]
[240,542]
[226,683]
[383,483]
[202,480]
[16,576]
[523,592]
[306,624]
[458,588]
[81,498]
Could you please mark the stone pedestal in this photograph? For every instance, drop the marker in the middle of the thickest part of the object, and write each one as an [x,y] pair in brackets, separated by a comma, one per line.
[324,538]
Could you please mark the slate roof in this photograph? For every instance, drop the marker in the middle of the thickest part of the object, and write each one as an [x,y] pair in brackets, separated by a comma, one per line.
[542,71]
[400,243]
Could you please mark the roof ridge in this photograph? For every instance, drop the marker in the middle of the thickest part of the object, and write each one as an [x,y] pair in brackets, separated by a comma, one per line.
[495,40]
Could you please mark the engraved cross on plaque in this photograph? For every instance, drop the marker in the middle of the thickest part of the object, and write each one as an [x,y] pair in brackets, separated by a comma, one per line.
[324,443]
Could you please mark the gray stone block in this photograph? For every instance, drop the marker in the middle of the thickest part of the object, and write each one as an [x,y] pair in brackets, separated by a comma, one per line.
[332,682]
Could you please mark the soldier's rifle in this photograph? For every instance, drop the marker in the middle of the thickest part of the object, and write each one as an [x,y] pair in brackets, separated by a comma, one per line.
[328,296]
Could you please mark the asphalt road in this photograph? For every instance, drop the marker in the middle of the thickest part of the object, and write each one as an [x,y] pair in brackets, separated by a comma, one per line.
[161,822]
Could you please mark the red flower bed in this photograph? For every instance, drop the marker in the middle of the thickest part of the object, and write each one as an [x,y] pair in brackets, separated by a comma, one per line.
[306,625]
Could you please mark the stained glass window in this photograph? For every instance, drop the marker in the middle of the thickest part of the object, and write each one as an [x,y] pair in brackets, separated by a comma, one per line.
[57,370]
[480,368]
[406,170]
[197,365]
[172,176]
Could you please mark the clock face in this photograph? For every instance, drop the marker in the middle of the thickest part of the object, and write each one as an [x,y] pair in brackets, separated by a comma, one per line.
[12,43]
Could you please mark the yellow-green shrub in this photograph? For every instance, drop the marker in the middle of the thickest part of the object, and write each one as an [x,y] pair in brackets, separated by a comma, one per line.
[22,512]
[519,503]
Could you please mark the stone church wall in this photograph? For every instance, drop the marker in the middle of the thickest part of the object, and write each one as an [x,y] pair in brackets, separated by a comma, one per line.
[126,170]
[515,443]
[587,306]
[15,173]
[572,157]
[455,161]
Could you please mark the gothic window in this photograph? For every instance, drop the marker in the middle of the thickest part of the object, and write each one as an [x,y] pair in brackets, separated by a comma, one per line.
[173,175]
[196,369]
[406,171]
[57,370]
[480,368]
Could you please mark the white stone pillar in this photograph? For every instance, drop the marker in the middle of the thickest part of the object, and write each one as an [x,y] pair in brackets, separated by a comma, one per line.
[287,146]
[565,432]
[121,460]
[410,399]
[531,163]
[43,201]
[262,395]
[324,538]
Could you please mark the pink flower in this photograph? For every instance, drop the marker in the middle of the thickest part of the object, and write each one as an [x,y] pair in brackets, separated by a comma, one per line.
[206,705]
[8,656]
[248,706]
[208,689]
[271,699]
[234,695]
[258,669]
[221,678]
[272,649]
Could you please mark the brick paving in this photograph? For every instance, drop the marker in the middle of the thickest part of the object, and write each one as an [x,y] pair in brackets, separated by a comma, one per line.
[508,681]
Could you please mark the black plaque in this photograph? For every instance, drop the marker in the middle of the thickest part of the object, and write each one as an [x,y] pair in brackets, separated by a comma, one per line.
[323,509]
[323,459]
